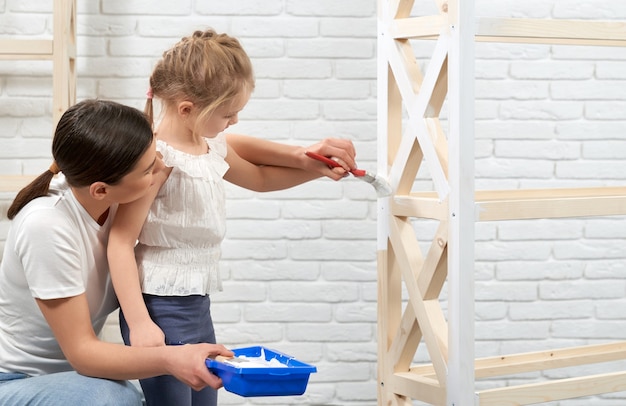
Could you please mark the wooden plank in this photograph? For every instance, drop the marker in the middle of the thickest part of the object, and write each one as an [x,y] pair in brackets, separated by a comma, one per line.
[552,359]
[504,365]
[431,323]
[440,141]
[550,203]
[558,207]
[435,269]
[491,205]
[20,49]
[426,205]
[520,30]
[429,95]
[405,341]
[416,387]
[553,390]
[386,315]
[64,58]
[406,165]
[558,193]
[567,32]
[15,183]
[428,27]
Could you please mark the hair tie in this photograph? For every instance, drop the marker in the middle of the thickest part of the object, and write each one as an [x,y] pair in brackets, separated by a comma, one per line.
[54,168]
[149,93]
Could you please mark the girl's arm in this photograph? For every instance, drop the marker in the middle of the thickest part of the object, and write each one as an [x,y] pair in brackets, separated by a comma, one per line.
[124,232]
[70,322]
[264,152]
[262,178]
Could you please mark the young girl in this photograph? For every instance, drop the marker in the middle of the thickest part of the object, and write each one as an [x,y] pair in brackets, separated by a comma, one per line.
[55,290]
[204,81]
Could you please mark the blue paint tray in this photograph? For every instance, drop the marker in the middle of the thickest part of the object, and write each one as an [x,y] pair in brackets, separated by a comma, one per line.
[263,381]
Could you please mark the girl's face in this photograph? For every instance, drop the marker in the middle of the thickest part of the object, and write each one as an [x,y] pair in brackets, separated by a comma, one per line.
[135,184]
[225,116]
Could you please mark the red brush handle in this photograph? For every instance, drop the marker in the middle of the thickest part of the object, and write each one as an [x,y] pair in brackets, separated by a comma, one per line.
[322,158]
[333,164]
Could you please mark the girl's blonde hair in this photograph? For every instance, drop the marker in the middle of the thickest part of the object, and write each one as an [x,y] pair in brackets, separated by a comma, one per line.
[206,68]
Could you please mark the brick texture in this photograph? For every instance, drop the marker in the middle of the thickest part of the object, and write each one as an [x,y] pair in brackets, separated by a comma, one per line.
[300,265]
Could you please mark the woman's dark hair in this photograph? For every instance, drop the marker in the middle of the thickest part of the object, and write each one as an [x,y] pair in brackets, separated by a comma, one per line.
[95,141]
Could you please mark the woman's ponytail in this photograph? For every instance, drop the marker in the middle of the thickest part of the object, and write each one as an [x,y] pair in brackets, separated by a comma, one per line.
[37,188]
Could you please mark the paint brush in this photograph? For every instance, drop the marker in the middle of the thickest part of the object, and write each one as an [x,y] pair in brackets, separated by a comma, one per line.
[382,187]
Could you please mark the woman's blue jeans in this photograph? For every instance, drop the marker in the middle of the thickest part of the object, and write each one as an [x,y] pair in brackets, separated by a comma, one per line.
[65,389]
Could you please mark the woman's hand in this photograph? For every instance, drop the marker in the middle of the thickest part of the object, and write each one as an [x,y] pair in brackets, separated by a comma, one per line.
[70,322]
[188,364]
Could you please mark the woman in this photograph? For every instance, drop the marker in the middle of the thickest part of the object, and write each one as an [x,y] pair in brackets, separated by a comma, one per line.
[55,290]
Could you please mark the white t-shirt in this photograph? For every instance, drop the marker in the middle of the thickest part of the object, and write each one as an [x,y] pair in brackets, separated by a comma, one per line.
[54,249]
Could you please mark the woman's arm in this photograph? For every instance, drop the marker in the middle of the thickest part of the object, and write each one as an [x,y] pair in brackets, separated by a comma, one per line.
[124,232]
[70,322]
[264,152]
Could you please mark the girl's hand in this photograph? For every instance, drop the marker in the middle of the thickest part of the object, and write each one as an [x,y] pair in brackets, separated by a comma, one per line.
[147,334]
[188,364]
[340,150]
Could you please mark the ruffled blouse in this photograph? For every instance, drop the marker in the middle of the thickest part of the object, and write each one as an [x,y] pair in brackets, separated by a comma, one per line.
[179,246]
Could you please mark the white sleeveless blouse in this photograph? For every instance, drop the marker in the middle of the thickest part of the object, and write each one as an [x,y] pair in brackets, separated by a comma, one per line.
[179,246]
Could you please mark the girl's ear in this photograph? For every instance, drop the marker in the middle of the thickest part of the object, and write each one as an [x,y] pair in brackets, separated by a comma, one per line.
[185,108]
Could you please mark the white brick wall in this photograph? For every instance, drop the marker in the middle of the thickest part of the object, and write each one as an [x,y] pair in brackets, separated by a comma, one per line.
[299,265]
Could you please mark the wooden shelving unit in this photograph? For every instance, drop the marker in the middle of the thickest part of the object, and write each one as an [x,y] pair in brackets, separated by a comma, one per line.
[404,90]
[61,50]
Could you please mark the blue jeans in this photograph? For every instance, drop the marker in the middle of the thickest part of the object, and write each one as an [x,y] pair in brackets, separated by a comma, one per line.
[184,320]
[65,389]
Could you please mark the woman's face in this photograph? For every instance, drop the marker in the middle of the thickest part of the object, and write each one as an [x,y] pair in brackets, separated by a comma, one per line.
[136,183]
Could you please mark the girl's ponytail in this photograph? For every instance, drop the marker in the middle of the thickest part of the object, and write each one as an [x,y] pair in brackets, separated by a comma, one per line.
[149,108]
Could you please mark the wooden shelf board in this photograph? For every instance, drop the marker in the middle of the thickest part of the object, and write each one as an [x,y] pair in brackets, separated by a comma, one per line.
[504,365]
[493,205]
[557,389]
[548,390]
[25,49]
[519,30]
[566,32]
[14,183]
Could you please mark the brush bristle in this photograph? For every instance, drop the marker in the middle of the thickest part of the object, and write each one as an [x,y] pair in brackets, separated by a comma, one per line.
[382,187]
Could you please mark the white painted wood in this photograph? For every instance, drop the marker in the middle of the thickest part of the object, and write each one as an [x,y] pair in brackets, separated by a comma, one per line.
[460,389]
